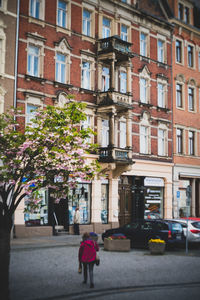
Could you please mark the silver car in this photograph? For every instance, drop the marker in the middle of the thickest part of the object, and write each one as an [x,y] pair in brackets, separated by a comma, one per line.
[193,229]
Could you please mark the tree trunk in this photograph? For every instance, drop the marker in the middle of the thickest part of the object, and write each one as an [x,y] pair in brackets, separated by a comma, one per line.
[4,257]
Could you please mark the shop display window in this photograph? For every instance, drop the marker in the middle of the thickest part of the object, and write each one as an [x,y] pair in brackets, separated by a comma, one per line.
[104,203]
[37,216]
[153,202]
[80,197]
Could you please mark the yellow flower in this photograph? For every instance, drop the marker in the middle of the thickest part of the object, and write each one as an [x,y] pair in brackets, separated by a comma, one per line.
[156,241]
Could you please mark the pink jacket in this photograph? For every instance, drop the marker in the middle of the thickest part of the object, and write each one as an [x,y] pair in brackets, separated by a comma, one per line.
[87,251]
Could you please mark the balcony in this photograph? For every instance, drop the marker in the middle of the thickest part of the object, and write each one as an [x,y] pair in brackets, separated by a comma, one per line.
[117,45]
[120,100]
[113,154]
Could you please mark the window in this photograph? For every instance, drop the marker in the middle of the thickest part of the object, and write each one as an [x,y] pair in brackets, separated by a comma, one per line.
[161,95]
[35,6]
[191,99]
[190,56]
[30,114]
[143,90]
[106,28]
[143,44]
[1,56]
[186,15]
[199,60]
[1,3]
[161,51]
[161,142]
[33,60]
[86,22]
[62,14]
[178,51]
[104,203]
[87,124]
[60,68]
[105,133]
[144,133]
[179,102]
[179,139]
[180,11]
[122,134]
[105,79]
[191,143]
[86,75]
[123,82]
[124,32]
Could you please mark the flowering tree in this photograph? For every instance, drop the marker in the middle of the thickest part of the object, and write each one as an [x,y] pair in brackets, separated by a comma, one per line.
[49,154]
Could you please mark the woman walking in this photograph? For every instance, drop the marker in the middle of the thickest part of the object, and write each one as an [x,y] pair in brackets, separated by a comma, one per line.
[87,256]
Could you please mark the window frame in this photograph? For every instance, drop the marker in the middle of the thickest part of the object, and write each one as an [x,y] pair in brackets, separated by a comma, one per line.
[105,134]
[191,143]
[59,64]
[161,101]
[41,9]
[107,79]
[161,59]
[84,72]
[63,11]
[106,29]
[162,142]
[180,93]
[122,81]
[179,140]
[191,96]
[88,21]
[180,52]
[31,61]
[142,43]
[144,139]
[191,56]
[124,35]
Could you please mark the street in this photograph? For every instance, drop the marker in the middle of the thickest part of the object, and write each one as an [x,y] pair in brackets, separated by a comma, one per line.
[52,273]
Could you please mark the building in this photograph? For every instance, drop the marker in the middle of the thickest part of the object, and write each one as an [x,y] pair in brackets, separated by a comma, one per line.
[116,56]
[8,27]
[184,15]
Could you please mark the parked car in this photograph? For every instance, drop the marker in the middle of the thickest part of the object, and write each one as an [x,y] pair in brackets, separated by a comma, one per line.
[193,229]
[141,231]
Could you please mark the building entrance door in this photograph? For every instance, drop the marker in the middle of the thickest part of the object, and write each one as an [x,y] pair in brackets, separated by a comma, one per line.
[61,214]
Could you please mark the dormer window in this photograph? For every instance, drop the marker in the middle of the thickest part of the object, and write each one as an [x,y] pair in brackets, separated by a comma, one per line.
[183,13]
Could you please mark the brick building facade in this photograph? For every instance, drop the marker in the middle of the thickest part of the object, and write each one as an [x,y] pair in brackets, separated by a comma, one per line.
[116,56]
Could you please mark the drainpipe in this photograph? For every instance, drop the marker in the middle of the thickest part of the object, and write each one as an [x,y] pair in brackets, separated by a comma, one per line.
[173,200]
[16,55]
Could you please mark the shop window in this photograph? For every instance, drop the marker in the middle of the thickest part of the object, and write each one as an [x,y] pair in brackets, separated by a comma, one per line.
[60,68]
[39,215]
[80,197]
[153,202]
[104,203]
[179,140]
[105,79]
[106,28]
[62,14]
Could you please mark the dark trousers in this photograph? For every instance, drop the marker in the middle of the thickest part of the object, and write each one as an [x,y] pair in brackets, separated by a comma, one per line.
[76,229]
[89,266]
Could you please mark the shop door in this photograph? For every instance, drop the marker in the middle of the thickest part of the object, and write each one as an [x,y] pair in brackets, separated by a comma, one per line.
[61,215]
[137,189]
[124,201]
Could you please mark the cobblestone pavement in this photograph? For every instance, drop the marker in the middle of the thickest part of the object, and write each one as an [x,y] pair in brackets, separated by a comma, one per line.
[45,268]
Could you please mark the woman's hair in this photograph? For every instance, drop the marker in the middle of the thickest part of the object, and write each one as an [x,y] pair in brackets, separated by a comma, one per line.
[85,236]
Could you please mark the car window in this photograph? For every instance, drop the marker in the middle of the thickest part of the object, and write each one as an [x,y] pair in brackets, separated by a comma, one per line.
[132,226]
[176,226]
[196,224]
[147,226]
[162,226]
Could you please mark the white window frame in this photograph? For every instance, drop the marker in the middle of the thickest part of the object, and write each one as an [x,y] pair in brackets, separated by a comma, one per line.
[33,59]
[143,90]
[181,51]
[34,101]
[191,146]
[86,72]
[88,123]
[106,30]
[123,81]
[105,85]
[199,59]
[194,97]
[62,14]
[181,93]
[2,99]
[124,35]
[144,139]
[64,49]
[122,133]
[2,51]
[161,51]
[41,9]
[143,44]
[61,68]
[162,140]
[162,97]
[179,141]
[87,22]
[105,128]
[3,6]
[193,56]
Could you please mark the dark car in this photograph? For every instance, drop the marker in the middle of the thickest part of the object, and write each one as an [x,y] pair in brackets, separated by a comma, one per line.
[141,231]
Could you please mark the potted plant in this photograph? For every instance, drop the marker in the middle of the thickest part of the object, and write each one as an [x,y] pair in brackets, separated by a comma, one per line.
[156,246]
[117,242]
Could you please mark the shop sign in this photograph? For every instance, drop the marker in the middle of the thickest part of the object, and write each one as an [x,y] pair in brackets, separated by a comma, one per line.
[153,181]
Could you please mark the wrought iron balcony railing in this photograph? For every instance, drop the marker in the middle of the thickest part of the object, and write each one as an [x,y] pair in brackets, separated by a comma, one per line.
[113,154]
[112,97]
[114,44]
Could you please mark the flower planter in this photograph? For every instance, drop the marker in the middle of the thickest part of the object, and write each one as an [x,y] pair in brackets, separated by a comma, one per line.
[117,245]
[157,248]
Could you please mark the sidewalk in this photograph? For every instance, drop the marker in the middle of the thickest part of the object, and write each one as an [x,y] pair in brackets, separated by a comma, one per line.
[47,242]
